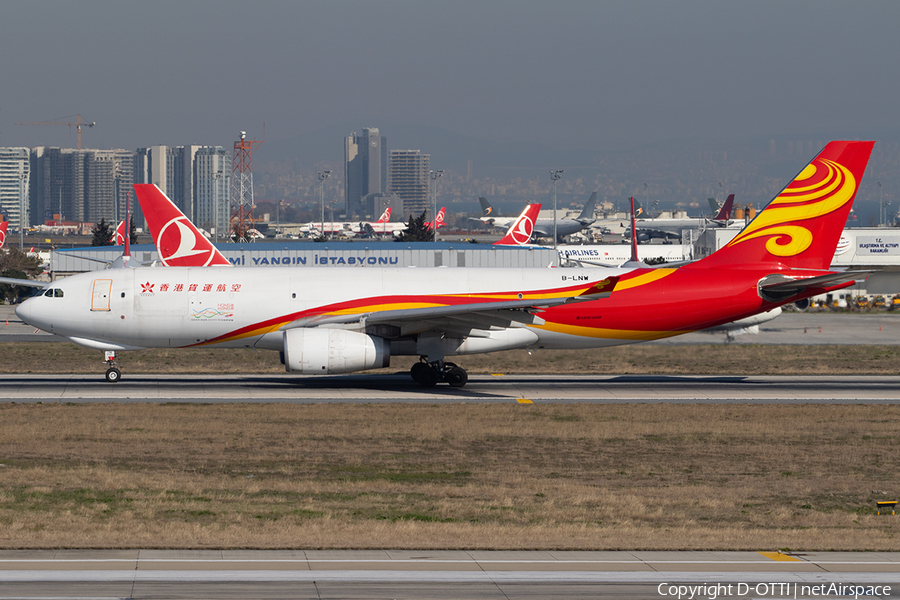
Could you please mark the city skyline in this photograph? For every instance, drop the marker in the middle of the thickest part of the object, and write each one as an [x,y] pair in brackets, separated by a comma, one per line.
[607,76]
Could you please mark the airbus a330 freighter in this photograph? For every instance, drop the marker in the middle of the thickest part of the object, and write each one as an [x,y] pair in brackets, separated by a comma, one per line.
[340,320]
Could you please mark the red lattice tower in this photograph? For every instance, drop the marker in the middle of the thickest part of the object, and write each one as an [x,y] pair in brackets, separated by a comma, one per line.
[242,188]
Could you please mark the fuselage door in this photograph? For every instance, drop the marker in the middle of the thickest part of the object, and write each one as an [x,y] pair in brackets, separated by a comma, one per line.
[100,295]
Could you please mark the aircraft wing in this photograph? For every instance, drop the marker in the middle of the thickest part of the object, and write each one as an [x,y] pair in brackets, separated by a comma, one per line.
[471,314]
[24,282]
[779,287]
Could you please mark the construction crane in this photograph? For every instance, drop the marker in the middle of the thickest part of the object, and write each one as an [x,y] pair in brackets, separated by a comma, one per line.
[79,124]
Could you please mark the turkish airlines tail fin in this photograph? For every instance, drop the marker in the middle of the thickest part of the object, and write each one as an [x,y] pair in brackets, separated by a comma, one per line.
[439,220]
[3,226]
[520,231]
[385,216]
[725,212]
[178,241]
[120,233]
[801,226]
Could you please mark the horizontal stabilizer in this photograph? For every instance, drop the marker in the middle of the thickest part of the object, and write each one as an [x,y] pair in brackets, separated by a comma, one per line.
[776,288]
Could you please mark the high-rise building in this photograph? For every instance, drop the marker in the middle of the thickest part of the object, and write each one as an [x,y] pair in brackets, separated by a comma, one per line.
[80,185]
[365,171]
[409,180]
[15,175]
[171,169]
[212,201]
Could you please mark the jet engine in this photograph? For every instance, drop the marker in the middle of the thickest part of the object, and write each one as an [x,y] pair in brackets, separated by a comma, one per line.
[325,351]
[802,305]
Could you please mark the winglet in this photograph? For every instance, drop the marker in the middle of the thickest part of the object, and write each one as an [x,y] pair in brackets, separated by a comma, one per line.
[178,241]
[522,228]
[601,289]
[3,226]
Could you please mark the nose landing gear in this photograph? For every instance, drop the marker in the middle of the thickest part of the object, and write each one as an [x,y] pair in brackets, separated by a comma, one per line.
[113,375]
[429,374]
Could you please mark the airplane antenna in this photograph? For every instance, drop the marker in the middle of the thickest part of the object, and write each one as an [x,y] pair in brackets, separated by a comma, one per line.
[634,254]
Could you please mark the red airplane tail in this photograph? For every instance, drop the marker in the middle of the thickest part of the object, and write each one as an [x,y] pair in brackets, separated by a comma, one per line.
[385,216]
[3,226]
[178,241]
[520,231]
[800,228]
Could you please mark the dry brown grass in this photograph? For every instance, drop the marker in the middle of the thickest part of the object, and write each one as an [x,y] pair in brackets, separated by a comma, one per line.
[691,359]
[448,476]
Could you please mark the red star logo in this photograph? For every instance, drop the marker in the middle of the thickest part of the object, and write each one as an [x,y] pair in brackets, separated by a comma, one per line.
[147,288]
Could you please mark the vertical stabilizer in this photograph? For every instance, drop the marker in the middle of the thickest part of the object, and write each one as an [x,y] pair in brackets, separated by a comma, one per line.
[178,241]
[522,228]
[800,228]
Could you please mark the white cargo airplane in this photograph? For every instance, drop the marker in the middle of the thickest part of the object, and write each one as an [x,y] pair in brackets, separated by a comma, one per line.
[335,320]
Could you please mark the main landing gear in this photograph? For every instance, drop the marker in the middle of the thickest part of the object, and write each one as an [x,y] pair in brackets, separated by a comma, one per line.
[429,374]
[113,375]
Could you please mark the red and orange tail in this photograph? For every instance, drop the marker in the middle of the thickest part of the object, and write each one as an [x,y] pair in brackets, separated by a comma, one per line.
[801,227]
[3,226]
[178,242]
[520,231]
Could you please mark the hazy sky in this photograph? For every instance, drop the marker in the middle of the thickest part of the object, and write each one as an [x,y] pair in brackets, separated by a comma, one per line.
[594,74]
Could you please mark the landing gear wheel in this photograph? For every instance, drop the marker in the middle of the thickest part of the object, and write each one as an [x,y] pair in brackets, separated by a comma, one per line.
[424,374]
[456,376]
[113,375]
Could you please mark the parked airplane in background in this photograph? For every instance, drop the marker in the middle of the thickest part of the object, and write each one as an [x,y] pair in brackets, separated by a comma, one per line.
[544,227]
[326,321]
[382,226]
[520,231]
[670,229]
[3,227]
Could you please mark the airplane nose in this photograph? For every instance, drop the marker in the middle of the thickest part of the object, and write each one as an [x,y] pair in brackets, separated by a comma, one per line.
[24,311]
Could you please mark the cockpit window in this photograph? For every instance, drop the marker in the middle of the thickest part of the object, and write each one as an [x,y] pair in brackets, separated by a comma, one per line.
[54,293]
[48,293]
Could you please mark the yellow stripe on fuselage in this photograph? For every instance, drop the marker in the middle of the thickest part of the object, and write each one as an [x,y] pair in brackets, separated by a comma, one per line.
[653,275]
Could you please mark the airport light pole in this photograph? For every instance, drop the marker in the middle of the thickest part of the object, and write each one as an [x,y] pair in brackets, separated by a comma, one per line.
[435,175]
[322,175]
[21,206]
[217,175]
[555,176]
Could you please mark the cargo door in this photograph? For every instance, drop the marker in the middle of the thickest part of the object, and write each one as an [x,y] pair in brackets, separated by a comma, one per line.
[100,294]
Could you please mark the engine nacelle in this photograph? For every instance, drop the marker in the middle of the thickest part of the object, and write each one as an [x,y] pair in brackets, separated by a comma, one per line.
[802,304]
[331,351]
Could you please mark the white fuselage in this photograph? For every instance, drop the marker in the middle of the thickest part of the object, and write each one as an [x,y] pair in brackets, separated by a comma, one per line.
[120,309]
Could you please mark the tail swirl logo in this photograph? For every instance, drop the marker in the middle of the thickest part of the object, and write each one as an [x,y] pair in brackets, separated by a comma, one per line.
[823,187]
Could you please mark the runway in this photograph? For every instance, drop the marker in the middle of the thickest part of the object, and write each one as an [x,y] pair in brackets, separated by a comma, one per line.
[465,575]
[599,389]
